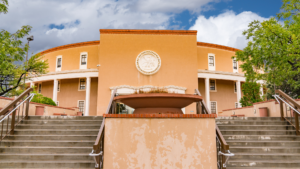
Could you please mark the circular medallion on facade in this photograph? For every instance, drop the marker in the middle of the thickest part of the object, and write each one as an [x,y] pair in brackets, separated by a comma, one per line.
[148,62]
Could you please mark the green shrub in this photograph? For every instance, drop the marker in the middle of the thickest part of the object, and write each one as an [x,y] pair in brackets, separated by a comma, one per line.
[251,91]
[39,98]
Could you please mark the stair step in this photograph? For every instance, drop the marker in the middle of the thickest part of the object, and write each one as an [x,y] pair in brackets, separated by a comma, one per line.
[45,157]
[259,132]
[65,117]
[59,150]
[255,127]
[248,118]
[266,156]
[261,137]
[264,163]
[251,122]
[47,143]
[70,126]
[49,164]
[57,131]
[51,137]
[52,122]
[264,149]
[267,143]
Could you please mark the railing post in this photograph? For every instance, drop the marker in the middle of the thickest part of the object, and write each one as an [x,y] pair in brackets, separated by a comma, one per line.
[12,125]
[281,110]
[27,108]
[223,158]
[296,121]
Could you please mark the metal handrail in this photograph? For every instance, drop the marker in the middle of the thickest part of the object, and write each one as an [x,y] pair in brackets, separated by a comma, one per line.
[30,96]
[100,137]
[278,97]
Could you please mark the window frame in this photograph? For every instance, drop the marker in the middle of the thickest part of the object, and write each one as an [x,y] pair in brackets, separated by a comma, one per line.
[234,87]
[215,85]
[80,86]
[211,107]
[58,85]
[58,68]
[83,105]
[214,59]
[40,87]
[237,66]
[83,66]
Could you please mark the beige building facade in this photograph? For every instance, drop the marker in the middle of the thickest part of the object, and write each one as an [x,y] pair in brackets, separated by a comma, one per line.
[84,74]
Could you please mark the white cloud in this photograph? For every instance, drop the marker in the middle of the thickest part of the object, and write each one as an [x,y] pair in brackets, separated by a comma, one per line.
[82,19]
[225,29]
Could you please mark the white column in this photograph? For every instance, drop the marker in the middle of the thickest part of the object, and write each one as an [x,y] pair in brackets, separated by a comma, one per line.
[87,96]
[31,84]
[238,92]
[261,90]
[207,93]
[55,90]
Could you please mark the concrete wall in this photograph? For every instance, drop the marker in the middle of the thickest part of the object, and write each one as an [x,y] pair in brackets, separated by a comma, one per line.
[167,143]
[118,53]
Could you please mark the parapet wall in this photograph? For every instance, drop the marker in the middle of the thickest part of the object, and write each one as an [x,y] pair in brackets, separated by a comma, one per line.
[160,141]
[253,111]
[48,111]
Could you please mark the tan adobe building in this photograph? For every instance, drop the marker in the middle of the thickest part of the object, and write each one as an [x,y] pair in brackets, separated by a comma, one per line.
[84,74]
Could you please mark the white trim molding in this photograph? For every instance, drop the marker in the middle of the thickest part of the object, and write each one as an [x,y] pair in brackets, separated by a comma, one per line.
[126,89]
[65,75]
[83,66]
[221,75]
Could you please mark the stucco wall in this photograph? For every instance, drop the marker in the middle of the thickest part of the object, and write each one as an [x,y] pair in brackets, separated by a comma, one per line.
[69,94]
[224,96]
[118,53]
[223,61]
[48,111]
[160,143]
[253,111]
[71,58]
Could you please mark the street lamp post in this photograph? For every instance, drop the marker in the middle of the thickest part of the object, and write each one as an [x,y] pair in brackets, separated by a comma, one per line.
[29,38]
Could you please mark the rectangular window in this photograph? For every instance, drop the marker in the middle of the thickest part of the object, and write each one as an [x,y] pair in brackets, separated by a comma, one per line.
[236,104]
[211,61]
[58,85]
[212,85]
[40,88]
[213,107]
[235,66]
[83,59]
[82,84]
[81,106]
[57,103]
[234,87]
[59,63]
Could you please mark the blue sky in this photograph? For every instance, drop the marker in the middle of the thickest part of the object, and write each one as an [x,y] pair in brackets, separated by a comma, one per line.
[60,22]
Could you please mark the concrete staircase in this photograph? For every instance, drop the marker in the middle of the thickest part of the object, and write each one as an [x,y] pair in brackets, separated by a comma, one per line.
[51,142]
[260,143]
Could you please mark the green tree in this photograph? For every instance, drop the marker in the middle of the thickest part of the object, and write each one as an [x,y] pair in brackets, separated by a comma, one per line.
[273,50]
[251,91]
[12,53]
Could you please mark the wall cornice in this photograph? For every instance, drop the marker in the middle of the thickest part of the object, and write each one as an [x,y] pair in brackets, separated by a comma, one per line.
[73,45]
[159,32]
[147,86]
[220,72]
[217,46]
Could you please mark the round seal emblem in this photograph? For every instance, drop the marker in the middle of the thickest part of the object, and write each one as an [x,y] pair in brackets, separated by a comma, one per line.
[148,62]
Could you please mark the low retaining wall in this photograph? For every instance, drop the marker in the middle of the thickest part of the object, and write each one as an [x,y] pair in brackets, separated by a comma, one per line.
[253,111]
[48,110]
